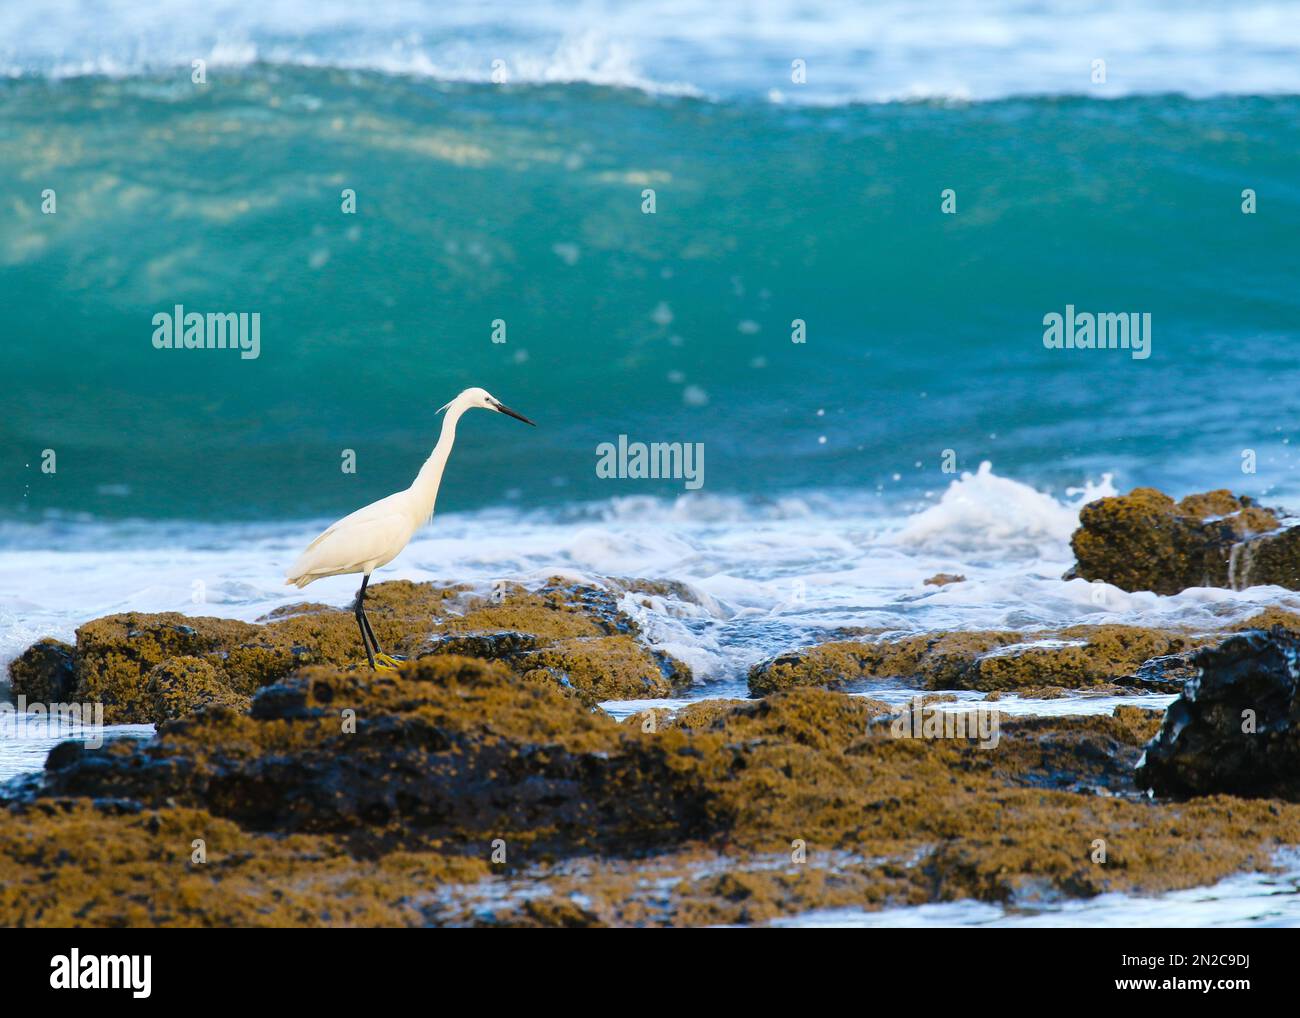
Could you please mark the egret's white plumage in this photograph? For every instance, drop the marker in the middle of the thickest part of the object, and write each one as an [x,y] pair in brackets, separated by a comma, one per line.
[373,536]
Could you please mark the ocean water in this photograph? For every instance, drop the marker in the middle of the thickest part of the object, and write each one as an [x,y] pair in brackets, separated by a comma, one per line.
[521,203]
[499,156]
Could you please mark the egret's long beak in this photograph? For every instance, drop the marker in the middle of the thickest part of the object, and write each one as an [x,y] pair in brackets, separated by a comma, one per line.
[510,413]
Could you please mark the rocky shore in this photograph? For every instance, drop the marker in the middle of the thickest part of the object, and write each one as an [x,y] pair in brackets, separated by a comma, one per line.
[153,668]
[481,784]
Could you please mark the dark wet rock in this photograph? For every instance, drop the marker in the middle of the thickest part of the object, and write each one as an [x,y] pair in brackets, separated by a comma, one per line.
[599,603]
[452,748]
[1236,726]
[45,672]
[1146,541]
[1083,754]
[65,754]
[1168,673]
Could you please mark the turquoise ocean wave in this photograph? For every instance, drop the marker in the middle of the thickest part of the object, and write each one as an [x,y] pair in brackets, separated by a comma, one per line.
[522,203]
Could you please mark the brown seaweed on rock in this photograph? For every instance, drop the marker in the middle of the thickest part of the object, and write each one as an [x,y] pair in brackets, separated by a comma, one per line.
[573,635]
[116,658]
[415,777]
[989,660]
[1146,541]
[154,667]
[453,748]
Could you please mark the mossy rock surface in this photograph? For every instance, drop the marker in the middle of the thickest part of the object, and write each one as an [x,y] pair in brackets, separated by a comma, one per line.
[46,672]
[349,798]
[182,685]
[449,747]
[1076,657]
[574,636]
[571,635]
[1146,541]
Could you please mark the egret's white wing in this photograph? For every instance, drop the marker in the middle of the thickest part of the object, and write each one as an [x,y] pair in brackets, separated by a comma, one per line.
[362,541]
[384,507]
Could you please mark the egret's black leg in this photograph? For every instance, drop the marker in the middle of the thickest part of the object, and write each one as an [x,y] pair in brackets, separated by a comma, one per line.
[378,659]
[363,623]
[369,631]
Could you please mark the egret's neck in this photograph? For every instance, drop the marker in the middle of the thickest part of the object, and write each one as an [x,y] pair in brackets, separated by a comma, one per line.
[425,485]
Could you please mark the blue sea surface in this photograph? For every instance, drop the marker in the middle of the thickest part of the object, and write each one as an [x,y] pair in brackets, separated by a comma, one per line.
[522,203]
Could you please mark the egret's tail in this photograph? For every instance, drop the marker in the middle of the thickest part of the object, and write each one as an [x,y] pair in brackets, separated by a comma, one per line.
[300,573]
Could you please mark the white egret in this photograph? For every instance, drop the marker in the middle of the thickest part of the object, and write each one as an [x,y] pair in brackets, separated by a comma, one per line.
[374,535]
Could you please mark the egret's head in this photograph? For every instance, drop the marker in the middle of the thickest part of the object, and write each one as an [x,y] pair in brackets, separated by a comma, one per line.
[483,400]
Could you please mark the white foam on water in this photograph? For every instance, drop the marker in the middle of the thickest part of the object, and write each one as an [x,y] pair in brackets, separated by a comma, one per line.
[762,576]
[984,511]
[891,50]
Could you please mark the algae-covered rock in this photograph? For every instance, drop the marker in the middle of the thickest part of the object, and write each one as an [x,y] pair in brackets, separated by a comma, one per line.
[572,635]
[1081,657]
[1236,726]
[349,797]
[182,685]
[609,668]
[704,714]
[45,672]
[451,748]
[939,657]
[1075,657]
[116,655]
[557,611]
[491,644]
[1146,541]
[72,863]
[551,912]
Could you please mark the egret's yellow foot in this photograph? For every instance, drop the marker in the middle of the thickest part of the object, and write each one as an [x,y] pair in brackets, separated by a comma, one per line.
[387,661]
